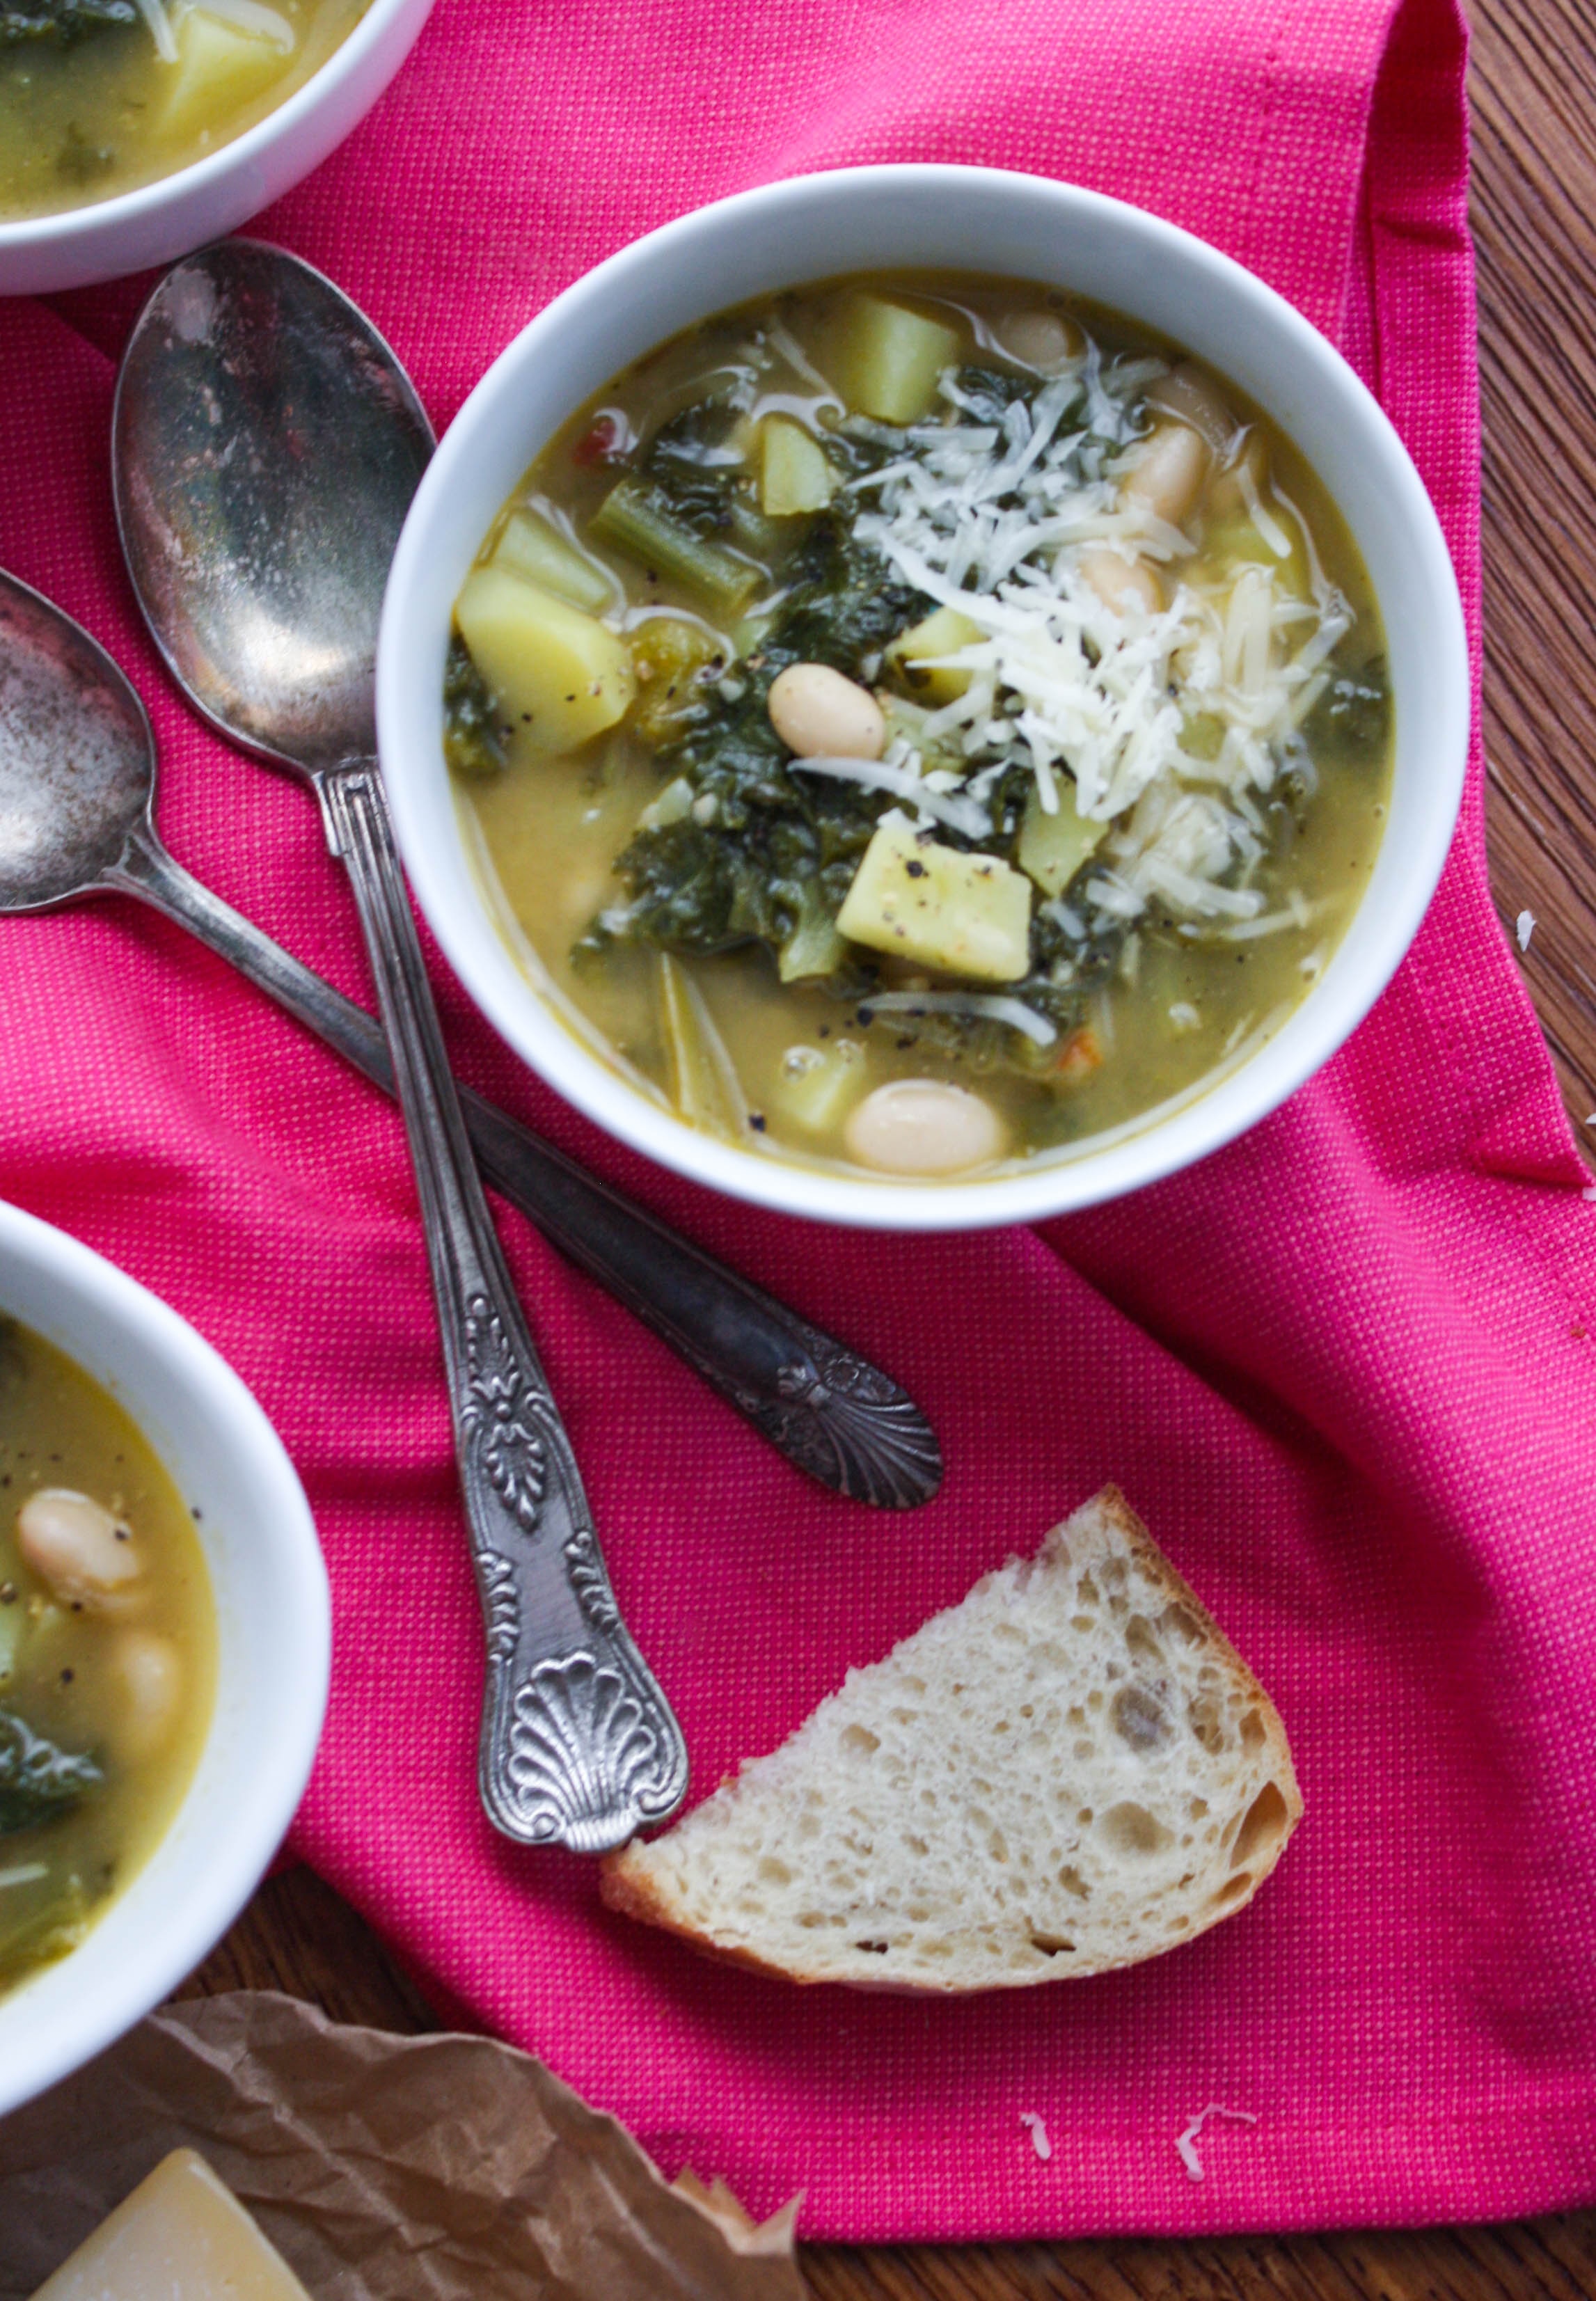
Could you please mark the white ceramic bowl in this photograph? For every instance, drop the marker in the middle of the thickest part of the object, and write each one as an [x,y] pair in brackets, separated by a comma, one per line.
[1004,225]
[40,255]
[274,1634]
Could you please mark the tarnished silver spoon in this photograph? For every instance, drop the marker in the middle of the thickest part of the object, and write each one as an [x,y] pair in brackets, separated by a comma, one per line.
[77,797]
[266,445]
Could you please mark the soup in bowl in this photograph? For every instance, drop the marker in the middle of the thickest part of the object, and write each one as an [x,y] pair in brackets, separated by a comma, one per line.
[131,130]
[928,738]
[164,1650]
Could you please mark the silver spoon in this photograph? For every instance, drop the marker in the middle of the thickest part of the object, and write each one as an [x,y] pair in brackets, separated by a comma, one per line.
[76,801]
[265,448]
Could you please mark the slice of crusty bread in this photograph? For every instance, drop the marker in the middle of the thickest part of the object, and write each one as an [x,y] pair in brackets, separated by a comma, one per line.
[1073,1769]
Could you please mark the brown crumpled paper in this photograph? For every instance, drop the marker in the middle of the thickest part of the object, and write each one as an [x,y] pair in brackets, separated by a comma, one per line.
[383,2169]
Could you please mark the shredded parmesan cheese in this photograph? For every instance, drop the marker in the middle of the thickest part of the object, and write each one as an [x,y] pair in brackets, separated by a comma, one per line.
[991,1004]
[958,812]
[1039,2134]
[993,520]
[1186,2142]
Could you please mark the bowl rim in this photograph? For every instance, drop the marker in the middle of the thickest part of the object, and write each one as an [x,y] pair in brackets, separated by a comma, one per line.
[1153,1147]
[154,1960]
[66,226]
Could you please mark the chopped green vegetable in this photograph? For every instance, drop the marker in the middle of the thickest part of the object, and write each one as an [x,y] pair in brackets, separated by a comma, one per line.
[704,1084]
[1351,720]
[643,522]
[943,634]
[38,1780]
[817,1086]
[62,21]
[474,735]
[530,546]
[794,475]
[670,659]
[40,1935]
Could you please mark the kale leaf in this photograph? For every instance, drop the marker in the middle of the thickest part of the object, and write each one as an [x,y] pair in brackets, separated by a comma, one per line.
[773,837]
[38,1780]
[1351,720]
[474,738]
[63,21]
[990,392]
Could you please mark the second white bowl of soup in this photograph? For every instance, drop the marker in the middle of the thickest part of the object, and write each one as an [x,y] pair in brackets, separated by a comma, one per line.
[958,729]
[131,130]
[164,1650]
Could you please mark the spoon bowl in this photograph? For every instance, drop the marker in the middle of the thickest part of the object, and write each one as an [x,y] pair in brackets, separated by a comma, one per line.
[77,758]
[265,446]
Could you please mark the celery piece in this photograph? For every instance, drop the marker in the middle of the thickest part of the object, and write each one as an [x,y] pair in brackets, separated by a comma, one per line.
[794,475]
[817,1088]
[944,633]
[533,546]
[631,519]
[702,1077]
[814,947]
[961,914]
[1053,847]
[669,658]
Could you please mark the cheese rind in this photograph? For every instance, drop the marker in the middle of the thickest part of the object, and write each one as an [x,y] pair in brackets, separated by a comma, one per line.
[181,2236]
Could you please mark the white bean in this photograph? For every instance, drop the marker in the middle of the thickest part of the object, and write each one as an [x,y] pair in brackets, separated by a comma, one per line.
[1168,472]
[1187,394]
[1038,339]
[87,1558]
[818,714]
[924,1126]
[147,1678]
[1119,581]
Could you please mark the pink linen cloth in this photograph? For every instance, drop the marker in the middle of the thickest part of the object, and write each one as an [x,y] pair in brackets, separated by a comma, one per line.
[1342,1368]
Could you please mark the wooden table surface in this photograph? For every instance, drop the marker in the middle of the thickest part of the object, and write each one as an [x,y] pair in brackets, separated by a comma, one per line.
[1535,103]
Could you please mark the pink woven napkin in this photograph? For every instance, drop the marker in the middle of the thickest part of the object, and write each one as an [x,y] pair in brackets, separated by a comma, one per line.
[1342,1368]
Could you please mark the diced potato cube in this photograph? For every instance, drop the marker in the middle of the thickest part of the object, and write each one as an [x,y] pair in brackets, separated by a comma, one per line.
[1053,847]
[794,475]
[219,68]
[531,547]
[960,914]
[885,359]
[818,1087]
[944,633]
[557,675]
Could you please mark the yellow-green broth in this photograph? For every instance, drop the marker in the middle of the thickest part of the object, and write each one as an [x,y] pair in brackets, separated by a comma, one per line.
[65,1668]
[104,112]
[1178,1011]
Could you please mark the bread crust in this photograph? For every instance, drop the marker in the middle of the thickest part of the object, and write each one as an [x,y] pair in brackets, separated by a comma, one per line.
[628,1884]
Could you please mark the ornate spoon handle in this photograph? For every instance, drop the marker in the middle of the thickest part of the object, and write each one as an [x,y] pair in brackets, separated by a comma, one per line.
[579,1746]
[828,1409]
